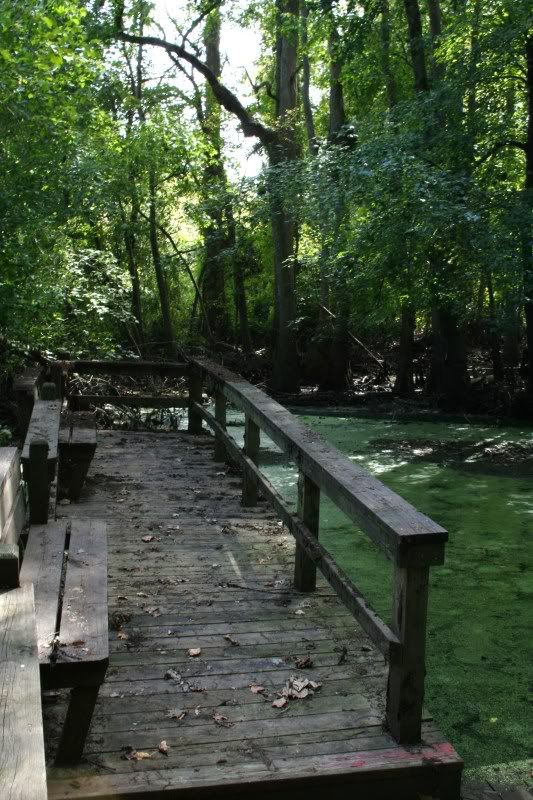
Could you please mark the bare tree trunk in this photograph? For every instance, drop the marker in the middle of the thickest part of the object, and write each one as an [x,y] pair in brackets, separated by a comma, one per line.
[241,309]
[166,316]
[306,81]
[214,179]
[528,233]
[285,375]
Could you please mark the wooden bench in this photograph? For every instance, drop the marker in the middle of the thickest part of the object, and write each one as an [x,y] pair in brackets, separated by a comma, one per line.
[67,564]
[39,456]
[77,445]
[12,515]
[22,765]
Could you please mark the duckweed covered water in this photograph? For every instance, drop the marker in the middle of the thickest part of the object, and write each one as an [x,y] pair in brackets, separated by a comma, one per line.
[479,626]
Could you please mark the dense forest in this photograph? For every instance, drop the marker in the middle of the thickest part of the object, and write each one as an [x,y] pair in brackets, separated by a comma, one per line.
[386,233]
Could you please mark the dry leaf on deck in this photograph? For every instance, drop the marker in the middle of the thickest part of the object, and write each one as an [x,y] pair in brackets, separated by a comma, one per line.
[257,689]
[123,636]
[281,702]
[305,662]
[176,713]
[221,720]
[231,640]
[148,538]
[194,652]
[163,748]
[299,613]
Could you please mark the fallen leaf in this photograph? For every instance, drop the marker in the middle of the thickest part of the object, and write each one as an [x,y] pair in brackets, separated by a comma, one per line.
[131,754]
[142,594]
[163,748]
[172,675]
[148,538]
[122,597]
[176,713]
[304,663]
[221,720]
[281,702]
[232,641]
[123,636]
[194,651]
[299,613]
[257,689]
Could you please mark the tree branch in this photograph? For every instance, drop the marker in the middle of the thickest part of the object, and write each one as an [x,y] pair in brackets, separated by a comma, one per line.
[499,146]
[226,98]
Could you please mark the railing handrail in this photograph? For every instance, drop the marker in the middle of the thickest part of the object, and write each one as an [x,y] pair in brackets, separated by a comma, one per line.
[411,539]
[405,534]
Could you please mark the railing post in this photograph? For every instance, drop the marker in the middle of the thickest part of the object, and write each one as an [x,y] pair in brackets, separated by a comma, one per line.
[38,486]
[220,416]
[405,692]
[252,441]
[49,391]
[195,396]
[309,513]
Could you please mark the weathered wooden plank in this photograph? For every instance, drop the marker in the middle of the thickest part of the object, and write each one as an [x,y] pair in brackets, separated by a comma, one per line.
[133,400]
[22,767]
[9,482]
[44,424]
[252,444]
[386,517]
[84,612]
[16,519]
[42,567]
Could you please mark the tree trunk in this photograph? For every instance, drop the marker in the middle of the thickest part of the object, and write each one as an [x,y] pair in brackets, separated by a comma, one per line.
[306,81]
[528,233]
[495,352]
[404,384]
[214,180]
[285,374]
[239,290]
[168,328]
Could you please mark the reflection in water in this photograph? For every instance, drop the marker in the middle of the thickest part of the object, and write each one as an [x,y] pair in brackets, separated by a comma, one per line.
[479,630]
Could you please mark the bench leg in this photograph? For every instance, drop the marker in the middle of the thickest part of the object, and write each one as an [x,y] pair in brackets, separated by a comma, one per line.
[77,724]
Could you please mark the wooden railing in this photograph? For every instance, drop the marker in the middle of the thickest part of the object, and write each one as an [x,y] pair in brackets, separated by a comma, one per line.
[410,539]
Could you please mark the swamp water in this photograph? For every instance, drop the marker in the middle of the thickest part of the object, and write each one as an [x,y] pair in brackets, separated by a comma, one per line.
[477,482]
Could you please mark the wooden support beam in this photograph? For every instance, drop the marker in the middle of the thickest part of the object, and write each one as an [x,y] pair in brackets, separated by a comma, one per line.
[405,691]
[132,367]
[82,402]
[49,391]
[309,513]
[220,416]
[195,396]
[38,481]
[9,565]
[252,442]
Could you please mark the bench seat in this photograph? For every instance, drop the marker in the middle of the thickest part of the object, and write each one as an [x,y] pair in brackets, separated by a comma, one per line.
[77,445]
[39,456]
[22,764]
[67,564]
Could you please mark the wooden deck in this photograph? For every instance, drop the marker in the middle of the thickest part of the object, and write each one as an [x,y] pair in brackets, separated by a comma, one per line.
[190,569]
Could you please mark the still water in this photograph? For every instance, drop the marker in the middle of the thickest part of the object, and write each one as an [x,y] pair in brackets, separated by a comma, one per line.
[476,481]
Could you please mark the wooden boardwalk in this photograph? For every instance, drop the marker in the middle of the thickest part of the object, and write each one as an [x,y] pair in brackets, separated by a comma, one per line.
[202,615]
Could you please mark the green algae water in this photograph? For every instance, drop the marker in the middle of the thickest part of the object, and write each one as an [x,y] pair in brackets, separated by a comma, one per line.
[474,481]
